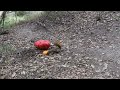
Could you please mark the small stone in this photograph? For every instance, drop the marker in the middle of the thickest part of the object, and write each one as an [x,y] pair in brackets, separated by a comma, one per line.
[100,64]
[110,46]
[105,66]
[1,60]
[107,73]
[76,54]
[82,70]
[103,53]
[42,70]
[52,44]
[117,75]
[41,57]
[118,61]
[97,47]
[86,57]
[95,58]
[86,65]
[98,70]
[23,72]
[73,35]
[100,60]
[51,58]
[69,58]
[64,65]
[100,77]
[80,41]
[45,58]
[30,64]
[92,66]
[13,75]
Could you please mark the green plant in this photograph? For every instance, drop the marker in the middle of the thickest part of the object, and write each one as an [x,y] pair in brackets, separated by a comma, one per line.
[20,13]
[16,17]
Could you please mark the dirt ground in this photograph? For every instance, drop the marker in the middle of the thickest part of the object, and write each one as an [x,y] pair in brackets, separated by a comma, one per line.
[90,47]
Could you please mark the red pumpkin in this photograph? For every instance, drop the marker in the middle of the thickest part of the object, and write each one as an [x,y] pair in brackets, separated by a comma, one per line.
[42,44]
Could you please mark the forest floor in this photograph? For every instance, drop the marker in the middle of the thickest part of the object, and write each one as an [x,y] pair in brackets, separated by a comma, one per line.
[90,47]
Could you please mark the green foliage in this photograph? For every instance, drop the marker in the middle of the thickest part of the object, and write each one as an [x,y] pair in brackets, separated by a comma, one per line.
[19,16]
[20,13]
[11,20]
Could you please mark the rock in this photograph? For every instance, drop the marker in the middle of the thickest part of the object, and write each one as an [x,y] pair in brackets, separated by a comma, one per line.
[92,66]
[23,72]
[13,75]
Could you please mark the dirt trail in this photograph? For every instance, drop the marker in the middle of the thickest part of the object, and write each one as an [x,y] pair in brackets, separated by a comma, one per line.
[91,47]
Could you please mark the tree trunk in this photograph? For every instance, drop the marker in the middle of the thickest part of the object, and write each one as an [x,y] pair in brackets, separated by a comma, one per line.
[3,15]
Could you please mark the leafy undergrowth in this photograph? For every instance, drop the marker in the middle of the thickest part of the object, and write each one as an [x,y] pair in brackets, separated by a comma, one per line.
[12,19]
